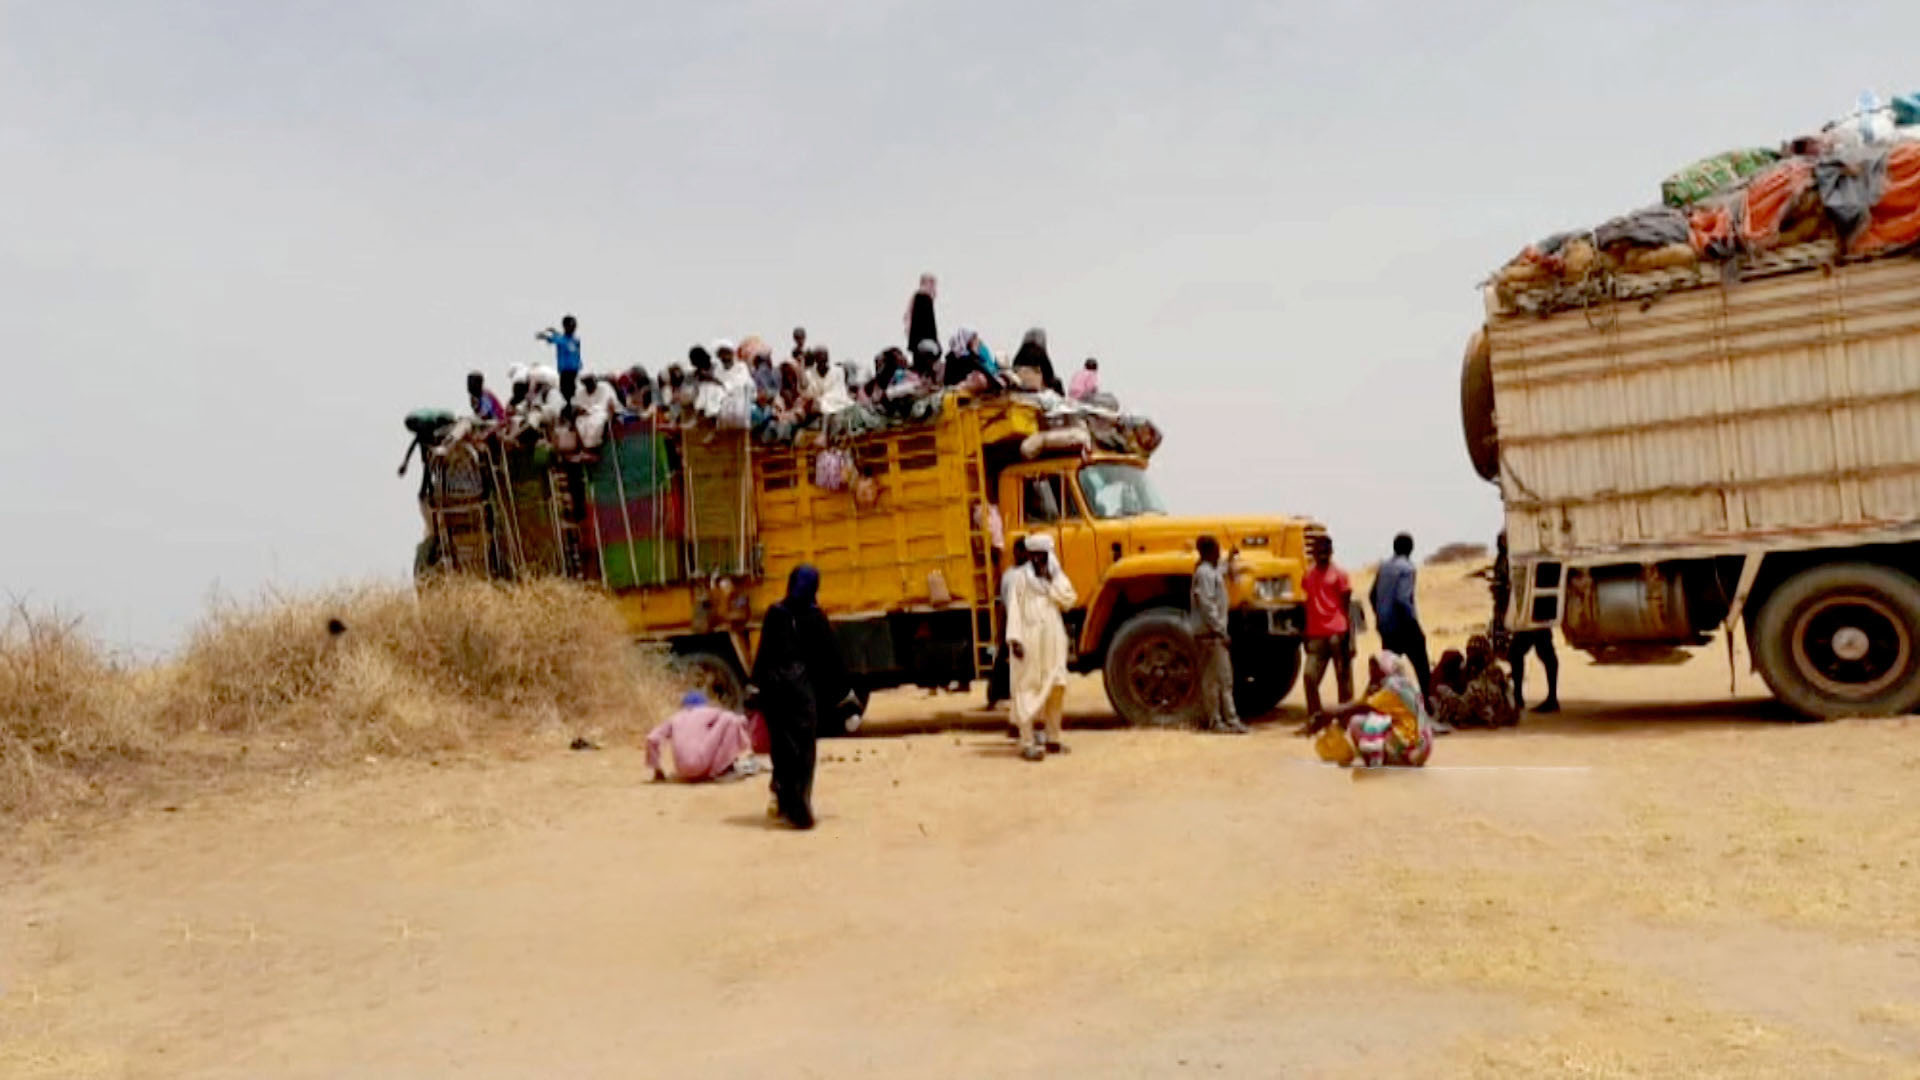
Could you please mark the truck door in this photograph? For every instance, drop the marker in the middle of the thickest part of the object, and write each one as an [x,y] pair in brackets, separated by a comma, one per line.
[1049,504]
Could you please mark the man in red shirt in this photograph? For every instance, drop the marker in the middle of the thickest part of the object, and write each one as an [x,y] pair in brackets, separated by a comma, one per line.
[1329,594]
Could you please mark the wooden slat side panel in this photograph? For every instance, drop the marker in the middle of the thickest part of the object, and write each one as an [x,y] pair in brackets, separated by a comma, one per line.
[1789,403]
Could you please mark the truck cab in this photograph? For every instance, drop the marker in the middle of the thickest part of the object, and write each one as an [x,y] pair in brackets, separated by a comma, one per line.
[1132,564]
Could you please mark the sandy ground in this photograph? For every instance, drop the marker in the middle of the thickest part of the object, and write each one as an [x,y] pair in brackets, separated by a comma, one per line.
[1666,880]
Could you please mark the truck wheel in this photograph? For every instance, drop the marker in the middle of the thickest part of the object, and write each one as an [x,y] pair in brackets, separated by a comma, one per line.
[713,675]
[1153,670]
[1842,640]
[1263,679]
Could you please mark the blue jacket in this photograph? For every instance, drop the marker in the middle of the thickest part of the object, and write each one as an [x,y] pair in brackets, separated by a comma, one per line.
[1393,608]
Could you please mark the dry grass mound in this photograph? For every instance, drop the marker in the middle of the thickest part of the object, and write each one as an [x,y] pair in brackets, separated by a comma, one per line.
[68,713]
[382,669]
[1460,552]
[319,678]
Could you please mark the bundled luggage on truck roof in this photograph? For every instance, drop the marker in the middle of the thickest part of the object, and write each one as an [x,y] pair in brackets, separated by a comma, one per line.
[1849,191]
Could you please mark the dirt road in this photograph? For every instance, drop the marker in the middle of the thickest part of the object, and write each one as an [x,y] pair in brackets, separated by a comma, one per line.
[1630,889]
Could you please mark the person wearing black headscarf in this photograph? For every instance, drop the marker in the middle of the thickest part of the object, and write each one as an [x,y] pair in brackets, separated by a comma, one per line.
[1033,356]
[921,325]
[798,674]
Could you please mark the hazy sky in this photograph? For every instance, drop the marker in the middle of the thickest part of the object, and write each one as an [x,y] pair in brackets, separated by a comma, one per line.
[240,240]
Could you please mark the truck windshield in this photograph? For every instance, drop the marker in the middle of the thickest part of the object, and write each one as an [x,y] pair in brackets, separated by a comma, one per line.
[1119,491]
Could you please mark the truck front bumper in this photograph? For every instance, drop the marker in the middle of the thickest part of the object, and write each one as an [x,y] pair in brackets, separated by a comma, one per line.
[1280,621]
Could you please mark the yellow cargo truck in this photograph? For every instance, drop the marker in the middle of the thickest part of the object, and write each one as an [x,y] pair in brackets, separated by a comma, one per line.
[694,534]
[1685,452]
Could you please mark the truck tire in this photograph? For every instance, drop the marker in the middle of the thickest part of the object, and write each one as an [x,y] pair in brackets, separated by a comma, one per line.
[716,675]
[1263,679]
[1476,408]
[1153,670]
[1842,640]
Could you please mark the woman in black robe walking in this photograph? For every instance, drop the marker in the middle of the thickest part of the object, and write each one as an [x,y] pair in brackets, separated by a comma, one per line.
[799,674]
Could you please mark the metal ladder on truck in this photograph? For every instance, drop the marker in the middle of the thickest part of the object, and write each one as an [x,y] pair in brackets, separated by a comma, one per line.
[985,619]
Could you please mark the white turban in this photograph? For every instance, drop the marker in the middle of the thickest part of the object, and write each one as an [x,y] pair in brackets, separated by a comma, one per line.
[1040,544]
[516,374]
[722,345]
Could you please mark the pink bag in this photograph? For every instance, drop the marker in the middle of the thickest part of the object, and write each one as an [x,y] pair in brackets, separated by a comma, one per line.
[831,468]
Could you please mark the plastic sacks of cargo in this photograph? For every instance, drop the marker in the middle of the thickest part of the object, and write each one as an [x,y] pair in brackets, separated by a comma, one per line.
[1853,186]
[1873,198]
[1656,238]
[1563,258]
[1709,176]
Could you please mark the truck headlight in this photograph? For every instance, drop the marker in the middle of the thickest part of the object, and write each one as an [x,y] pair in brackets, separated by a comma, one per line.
[1273,590]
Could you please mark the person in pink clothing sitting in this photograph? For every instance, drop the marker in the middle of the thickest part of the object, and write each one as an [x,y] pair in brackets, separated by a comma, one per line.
[709,743]
[1086,381]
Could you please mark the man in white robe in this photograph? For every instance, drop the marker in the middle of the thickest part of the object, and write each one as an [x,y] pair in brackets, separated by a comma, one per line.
[736,382]
[1037,643]
[594,405]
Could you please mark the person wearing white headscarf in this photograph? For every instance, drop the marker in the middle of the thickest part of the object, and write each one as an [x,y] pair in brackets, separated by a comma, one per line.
[967,355]
[516,387]
[594,405]
[540,408]
[735,407]
[1037,595]
[825,382]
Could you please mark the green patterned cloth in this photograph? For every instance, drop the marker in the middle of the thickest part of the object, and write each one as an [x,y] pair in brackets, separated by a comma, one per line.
[1710,176]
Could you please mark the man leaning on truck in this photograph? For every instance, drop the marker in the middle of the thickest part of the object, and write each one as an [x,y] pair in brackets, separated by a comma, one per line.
[1210,605]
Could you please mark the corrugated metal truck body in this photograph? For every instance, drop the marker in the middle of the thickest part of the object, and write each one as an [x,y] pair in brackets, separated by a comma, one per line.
[1746,451]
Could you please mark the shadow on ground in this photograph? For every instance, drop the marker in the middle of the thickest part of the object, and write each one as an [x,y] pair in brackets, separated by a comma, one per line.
[1658,718]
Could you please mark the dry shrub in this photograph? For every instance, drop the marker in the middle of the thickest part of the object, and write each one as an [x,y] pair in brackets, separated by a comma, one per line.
[320,677]
[1459,552]
[68,713]
[386,669]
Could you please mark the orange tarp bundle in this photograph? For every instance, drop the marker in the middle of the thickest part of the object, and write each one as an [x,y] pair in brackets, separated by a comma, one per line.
[1767,200]
[1710,227]
[1895,221]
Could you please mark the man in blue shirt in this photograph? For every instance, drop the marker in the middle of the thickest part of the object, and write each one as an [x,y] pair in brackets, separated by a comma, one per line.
[566,354]
[1395,614]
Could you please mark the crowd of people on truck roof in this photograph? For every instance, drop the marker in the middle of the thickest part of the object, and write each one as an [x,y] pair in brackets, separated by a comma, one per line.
[745,386]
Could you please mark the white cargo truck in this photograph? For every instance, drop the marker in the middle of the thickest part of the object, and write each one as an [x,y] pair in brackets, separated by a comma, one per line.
[1689,452]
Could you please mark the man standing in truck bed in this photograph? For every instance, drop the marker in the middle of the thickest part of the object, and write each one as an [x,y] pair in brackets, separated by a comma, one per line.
[1210,606]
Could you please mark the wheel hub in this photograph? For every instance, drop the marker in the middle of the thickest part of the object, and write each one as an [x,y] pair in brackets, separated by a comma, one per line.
[1851,647]
[1851,643]
[1161,674]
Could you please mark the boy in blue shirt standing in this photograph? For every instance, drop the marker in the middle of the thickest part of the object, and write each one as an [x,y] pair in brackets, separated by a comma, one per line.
[566,354]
